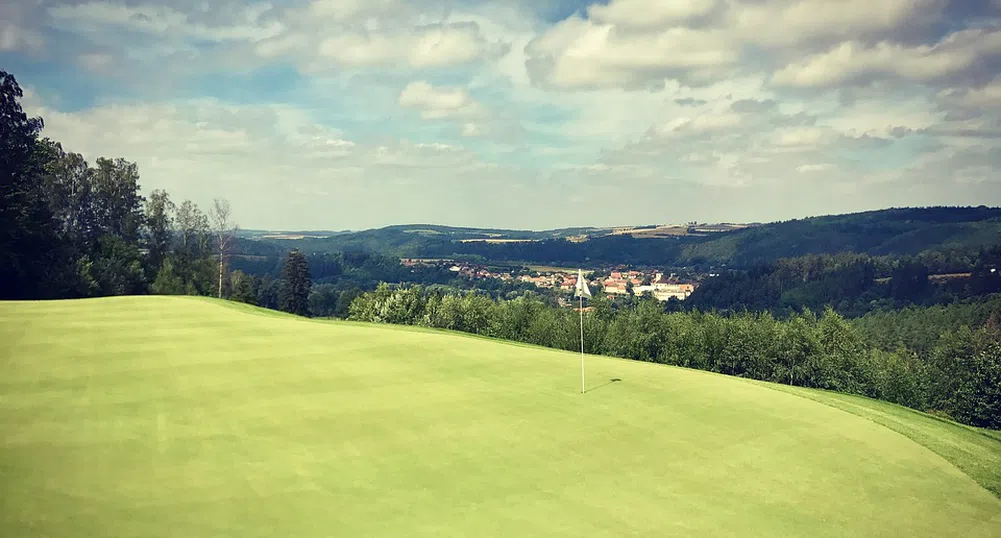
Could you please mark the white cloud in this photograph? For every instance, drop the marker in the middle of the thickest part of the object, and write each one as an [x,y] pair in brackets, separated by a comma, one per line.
[319,35]
[636,44]
[646,14]
[440,102]
[163,21]
[327,34]
[856,63]
[811,168]
[348,10]
[875,115]
[976,128]
[987,96]
[953,167]
[437,45]
[708,123]
[792,22]
[803,137]
[270,161]
[728,112]
[578,53]
[456,105]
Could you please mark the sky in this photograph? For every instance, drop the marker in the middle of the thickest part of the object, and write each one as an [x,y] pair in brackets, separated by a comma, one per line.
[352,114]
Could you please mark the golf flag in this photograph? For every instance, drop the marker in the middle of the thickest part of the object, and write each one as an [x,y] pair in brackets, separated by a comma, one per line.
[582,289]
[582,292]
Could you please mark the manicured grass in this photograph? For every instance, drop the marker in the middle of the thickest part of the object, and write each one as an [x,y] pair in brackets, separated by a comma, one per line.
[147,416]
[976,451]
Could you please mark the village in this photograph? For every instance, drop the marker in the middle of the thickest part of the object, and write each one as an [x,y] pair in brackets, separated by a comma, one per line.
[620,283]
[616,283]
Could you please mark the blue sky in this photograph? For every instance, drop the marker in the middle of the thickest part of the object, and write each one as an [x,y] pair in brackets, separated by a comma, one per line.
[350,114]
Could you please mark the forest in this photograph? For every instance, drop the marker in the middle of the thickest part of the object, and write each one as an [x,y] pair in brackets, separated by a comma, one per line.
[854,284]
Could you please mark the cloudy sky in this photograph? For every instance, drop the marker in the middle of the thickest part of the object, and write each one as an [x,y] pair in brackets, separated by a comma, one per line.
[335,114]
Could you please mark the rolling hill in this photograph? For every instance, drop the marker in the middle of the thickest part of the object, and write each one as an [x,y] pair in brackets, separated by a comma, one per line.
[904,231]
[172,416]
[899,231]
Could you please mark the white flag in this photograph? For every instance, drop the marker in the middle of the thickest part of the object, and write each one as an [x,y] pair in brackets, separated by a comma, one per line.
[582,290]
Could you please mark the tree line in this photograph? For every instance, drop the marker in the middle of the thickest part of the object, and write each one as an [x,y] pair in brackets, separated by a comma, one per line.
[958,376]
[339,277]
[74,229]
[854,284]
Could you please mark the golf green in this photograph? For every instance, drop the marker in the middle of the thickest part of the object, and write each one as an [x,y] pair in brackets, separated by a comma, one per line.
[172,416]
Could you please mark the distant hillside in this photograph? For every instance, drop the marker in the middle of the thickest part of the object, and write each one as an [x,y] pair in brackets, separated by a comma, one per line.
[414,240]
[903,231]
[906,231]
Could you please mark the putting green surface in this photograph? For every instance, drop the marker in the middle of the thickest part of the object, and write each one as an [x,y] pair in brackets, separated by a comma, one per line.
[163,416]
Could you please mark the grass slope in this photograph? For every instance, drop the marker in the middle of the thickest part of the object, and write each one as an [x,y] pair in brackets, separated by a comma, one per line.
[181,417]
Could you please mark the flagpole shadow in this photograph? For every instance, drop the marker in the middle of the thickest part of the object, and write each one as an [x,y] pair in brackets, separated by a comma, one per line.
[610,382]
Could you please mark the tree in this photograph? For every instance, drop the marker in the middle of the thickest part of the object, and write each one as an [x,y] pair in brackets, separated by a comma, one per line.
[323,300]
[68,184]
[30,247]
[295,284]
[117,199]
[243,287]
[159,227]
[193,229]
[268,293]
[224,231]
[168,280]
[191,257]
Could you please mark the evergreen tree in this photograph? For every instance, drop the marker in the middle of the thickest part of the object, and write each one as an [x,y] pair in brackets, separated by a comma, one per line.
[295,284]
[30,248]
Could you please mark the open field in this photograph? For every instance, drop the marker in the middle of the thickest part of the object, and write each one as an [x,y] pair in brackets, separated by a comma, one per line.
[659,231]
[498,241]
[555,269]
[290,237]
[172,416]
[677,230]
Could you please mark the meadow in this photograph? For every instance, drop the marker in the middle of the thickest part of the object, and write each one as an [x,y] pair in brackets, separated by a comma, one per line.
[176,416]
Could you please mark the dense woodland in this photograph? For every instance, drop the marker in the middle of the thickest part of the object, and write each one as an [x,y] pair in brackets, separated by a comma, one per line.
[75,229]
[853,284]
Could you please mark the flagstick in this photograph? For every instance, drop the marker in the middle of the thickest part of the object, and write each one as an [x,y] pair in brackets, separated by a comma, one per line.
[582,343]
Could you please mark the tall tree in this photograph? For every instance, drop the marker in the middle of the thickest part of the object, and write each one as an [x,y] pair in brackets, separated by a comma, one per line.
[159,228]
[224,230]
[190,264]
[192,228]
[69,188]
[29,244]
[295,284]
[117,198]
